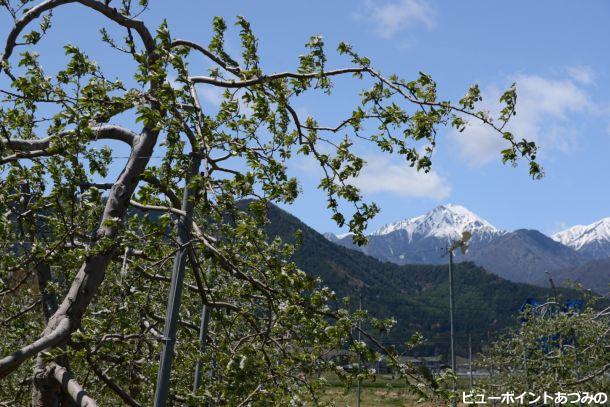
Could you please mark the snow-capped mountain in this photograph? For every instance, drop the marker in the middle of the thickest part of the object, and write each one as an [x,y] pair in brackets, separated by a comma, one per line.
[444,222]
[422,239]
[592,241]
[521,256]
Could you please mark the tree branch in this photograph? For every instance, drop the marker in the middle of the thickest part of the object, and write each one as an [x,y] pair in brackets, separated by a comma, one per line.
[268,78]
[105,132]
[71,387]
[110,12]
[190,44]
[112,385]
[592,376]
[156,208]
[93,270]
[14,360]
[20,313]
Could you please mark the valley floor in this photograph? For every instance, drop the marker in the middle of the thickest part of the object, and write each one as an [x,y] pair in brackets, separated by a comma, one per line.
[372,397]
[384,392]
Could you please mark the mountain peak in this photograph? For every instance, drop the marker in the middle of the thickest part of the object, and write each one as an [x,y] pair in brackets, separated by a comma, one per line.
[580,237]
[445,221]
[457,209]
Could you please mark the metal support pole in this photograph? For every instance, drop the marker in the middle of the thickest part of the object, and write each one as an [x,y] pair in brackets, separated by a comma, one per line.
[203,339]
[175,294]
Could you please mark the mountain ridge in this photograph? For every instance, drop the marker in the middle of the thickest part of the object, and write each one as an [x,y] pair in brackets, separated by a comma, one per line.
[523,255]
[444,221]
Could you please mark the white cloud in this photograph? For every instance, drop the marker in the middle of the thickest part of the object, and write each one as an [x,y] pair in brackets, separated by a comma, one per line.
[546,114]
[390,18]
[381,175]
[582,74]
[384,174]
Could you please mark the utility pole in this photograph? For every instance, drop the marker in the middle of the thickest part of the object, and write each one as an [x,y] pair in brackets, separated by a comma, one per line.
[491,374]
[463,245]
[183,225]
[359,357]
[453,403]
[451,330]
[470,357]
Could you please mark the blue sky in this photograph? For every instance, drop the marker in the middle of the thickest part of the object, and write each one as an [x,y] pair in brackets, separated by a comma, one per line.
[556,51]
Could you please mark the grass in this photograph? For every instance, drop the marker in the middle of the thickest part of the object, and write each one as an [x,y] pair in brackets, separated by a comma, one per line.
[370,396]
[383,392]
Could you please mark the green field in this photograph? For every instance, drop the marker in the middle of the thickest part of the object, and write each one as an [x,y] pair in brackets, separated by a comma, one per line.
[371,396]
[382,392]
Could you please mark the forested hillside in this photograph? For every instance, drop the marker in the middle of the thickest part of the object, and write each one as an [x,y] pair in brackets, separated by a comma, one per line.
[416,295]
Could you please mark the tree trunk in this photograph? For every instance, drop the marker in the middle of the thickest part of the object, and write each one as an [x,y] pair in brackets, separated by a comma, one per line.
[45,390]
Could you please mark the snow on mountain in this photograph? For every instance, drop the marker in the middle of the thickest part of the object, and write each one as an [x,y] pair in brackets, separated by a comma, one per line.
[591,240]
[445,221]
[523,255]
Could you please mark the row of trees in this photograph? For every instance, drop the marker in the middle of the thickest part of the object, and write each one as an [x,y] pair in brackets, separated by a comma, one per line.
[85,260]
[559,347]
